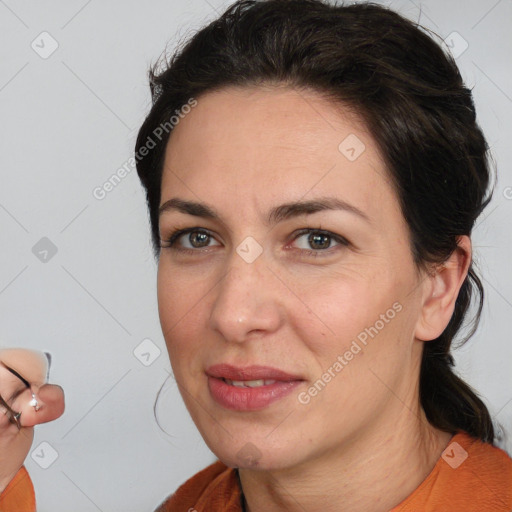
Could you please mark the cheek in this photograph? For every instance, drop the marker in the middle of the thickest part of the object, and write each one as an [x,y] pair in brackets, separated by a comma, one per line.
[357,317]
[179,301]
[335,309]
[360,343]
[176,295]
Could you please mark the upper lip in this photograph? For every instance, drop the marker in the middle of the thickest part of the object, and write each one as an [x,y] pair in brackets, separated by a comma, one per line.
[254,372]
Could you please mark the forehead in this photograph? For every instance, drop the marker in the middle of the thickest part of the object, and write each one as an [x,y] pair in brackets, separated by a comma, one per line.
[259,146]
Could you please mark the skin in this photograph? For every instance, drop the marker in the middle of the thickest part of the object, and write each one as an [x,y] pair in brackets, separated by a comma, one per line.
[362,443]
[15,443]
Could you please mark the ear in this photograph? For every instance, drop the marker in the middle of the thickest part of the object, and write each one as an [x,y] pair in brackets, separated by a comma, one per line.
[441,289]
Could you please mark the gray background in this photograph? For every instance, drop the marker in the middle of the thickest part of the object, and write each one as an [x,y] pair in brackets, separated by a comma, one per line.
[69,121]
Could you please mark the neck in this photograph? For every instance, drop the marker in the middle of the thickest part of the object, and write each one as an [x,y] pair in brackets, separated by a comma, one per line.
[376,471]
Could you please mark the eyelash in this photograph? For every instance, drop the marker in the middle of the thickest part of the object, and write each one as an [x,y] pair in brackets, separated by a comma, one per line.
[175,235]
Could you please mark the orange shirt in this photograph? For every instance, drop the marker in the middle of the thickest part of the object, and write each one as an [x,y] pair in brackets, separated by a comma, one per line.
[19,495]
[470,476]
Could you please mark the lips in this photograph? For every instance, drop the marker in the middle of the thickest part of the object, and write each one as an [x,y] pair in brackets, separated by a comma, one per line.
[226,371]
[250,388]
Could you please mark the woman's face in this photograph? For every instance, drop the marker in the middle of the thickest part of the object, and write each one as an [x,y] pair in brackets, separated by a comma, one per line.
[322,322]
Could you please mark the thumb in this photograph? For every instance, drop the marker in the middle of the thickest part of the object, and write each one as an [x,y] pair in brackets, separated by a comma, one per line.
[50,400]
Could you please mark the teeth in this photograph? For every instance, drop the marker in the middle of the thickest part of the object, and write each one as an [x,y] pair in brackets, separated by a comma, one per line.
[249,383]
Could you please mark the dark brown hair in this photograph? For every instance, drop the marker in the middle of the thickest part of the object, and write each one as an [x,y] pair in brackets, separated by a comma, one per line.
[412,98]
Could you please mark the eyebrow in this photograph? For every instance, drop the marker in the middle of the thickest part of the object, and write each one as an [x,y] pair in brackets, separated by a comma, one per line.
[276,214]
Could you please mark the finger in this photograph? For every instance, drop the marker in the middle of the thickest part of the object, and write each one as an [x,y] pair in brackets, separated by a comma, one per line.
[42,406]
[31,366]
[7,416]
[10,385]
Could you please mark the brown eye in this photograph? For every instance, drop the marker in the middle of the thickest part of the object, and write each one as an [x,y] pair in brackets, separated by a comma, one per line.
[316,241]
[196,239]
[319,241]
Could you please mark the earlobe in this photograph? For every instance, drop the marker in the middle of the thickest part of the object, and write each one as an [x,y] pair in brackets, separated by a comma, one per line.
[441,291]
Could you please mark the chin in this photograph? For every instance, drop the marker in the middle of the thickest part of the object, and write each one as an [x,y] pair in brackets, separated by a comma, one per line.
[258,440]
[253,452]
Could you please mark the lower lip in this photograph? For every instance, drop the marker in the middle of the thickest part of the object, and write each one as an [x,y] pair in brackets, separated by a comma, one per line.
[249,399]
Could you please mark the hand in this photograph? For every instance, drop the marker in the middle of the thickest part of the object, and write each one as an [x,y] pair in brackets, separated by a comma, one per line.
[23,372]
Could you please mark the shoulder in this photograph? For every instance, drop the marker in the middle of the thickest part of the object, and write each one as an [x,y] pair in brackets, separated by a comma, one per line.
[487,465]
[480,463]
[470,475]
[213,488]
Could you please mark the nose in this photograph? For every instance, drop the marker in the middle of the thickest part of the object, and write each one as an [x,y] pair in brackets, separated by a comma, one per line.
[247,301]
